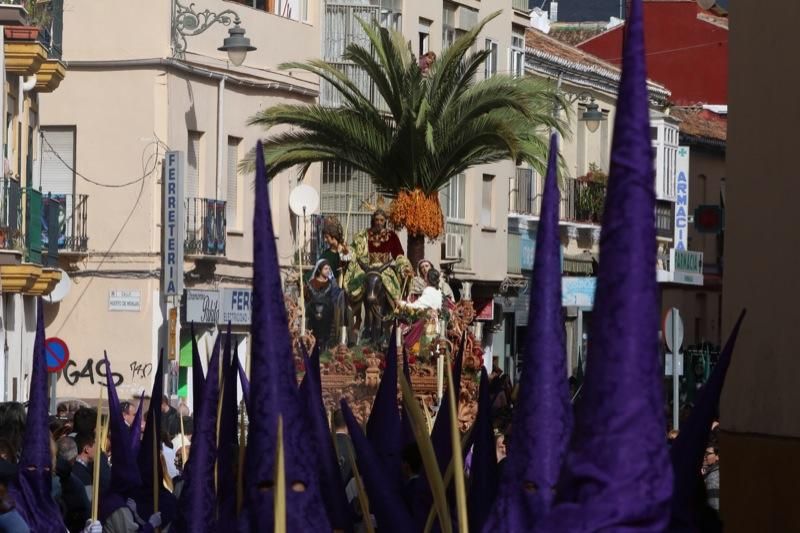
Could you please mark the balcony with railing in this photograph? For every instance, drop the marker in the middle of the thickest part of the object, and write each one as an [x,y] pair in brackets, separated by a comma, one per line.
[581,201]
[521,5]
[458,244]
[205,227]
[11,222]
[38,227]
[69,214]
[37,33]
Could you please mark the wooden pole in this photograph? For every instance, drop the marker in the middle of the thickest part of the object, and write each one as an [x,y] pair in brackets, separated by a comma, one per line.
[183,444]
[346,232]
[156,461]
[240,466]
[96,466]
[279,504]
[302,281]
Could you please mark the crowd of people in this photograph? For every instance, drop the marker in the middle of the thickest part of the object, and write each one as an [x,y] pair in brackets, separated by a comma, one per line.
[73,448]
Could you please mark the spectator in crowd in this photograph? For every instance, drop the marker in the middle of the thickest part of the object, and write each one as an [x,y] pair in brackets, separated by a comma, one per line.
[74,502]
[128,412]
[169,417]
[711,474]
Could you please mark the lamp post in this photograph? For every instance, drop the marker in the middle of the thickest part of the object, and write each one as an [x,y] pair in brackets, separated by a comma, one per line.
[186,22]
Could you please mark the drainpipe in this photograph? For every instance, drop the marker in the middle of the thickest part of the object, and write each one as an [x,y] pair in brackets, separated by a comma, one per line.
[220,134]
[28,83]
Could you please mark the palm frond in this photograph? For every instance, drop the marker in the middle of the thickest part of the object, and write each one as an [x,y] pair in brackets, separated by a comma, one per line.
[433,125]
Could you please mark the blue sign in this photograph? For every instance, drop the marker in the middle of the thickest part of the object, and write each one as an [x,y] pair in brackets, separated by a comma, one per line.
[172,228]
[527,253]
[527,247]
[682,200]
[236,306]
[578,292]
[56,354]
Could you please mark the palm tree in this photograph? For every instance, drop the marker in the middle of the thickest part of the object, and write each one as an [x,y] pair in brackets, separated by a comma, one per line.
[435,125]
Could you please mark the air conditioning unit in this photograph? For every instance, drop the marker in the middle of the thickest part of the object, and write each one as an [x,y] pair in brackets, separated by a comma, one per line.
[453,246]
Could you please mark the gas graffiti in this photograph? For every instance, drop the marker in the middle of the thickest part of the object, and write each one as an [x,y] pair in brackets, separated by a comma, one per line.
[94,371]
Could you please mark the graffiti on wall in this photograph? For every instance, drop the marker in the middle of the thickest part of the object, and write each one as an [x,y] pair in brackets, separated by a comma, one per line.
[94,372]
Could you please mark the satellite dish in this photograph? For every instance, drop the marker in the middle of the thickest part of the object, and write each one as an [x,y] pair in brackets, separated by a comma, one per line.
[61,290]
[304,200]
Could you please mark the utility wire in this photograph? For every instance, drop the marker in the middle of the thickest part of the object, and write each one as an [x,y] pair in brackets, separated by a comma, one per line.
[93,182]
[154,158]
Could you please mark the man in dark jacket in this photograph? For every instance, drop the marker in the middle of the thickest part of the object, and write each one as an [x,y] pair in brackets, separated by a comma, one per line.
[74,500]
[170,421]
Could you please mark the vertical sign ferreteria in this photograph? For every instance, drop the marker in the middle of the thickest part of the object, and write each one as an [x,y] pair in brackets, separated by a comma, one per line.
[172,226]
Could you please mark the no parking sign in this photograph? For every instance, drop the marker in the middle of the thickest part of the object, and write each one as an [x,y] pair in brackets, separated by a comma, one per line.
[56,354]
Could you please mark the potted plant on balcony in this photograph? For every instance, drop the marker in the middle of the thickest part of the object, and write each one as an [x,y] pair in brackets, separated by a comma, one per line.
[39,16]
[591,195]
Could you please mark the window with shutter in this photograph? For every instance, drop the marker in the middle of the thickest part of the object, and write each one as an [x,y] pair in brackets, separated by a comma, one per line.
[58,161]
[192,185]
[453,198]
[232,192]
[191,188]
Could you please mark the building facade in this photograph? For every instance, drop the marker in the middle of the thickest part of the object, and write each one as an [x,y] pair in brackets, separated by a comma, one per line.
[131,96]
[758,411]
[33,225]
[128,100]
[587,83]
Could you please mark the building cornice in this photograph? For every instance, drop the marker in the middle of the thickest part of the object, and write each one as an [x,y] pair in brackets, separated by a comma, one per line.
[176,65]
[583,75]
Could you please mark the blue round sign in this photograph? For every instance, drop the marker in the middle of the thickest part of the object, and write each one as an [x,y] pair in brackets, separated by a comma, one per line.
[56,354]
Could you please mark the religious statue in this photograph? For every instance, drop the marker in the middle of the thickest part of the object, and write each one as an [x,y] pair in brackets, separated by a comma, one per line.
[337,253]
[326,310]
[374,275]
[419,283]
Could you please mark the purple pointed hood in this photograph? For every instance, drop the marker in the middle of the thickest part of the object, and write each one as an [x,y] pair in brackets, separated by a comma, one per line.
[228,452]
[383,427]
[125,476]
[243,380]
[136,428]
[198,379]
[617,474]
[385,501]
[198,500]
[152,426]
[273,390]
[543,414]
[330,478]
[32,486]
[405,422]
[687,450]
[311,364]
[483,474]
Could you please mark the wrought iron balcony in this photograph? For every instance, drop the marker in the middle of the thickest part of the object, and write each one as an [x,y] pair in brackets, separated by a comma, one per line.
[206,225]
[69,217]
[521,5]
[581,201]
[11,228]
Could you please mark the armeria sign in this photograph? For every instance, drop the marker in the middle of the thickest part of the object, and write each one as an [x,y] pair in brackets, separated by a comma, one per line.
[172,224]
[682,199]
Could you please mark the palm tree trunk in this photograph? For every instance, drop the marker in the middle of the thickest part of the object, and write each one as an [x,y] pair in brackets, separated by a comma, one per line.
[416,249]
